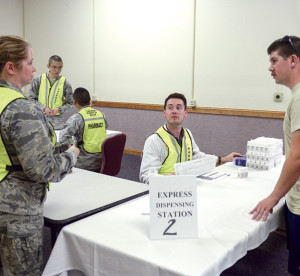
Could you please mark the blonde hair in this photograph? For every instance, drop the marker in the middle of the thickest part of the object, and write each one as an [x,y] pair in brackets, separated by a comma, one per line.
[12,49]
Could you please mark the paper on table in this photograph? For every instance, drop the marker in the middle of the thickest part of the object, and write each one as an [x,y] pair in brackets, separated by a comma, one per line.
[196,167]
[213,175]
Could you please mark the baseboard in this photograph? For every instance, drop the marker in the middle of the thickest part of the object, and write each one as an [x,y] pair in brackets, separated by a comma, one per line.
[133,152]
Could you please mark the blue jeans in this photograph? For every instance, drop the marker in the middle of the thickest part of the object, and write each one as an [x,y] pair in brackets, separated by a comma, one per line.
[293,241]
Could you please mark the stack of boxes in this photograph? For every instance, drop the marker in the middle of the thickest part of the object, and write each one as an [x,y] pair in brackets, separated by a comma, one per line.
[264,153]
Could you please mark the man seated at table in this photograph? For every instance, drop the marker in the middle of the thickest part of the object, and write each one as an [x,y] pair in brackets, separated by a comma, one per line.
[172,143]
[87,130]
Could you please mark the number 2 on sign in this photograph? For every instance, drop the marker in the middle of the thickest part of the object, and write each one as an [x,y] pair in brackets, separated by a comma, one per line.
[172,222]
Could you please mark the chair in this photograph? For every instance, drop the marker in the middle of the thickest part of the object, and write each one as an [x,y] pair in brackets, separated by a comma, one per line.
[112,151]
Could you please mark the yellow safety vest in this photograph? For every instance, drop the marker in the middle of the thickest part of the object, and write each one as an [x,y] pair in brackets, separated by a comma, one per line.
[176,153]
[7,96]
[51,97]
[94,132]
[53,134]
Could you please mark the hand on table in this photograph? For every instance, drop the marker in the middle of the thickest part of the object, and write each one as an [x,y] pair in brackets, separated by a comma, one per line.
[230,157]
[264,208]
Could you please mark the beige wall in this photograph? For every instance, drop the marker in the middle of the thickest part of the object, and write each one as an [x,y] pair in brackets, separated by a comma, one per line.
[64,28]
[231,64]
[11,19]
[142,50]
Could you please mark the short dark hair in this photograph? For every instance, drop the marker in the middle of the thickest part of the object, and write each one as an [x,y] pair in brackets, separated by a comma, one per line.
[286,46]
[82,96]
[55,58]
[175,96]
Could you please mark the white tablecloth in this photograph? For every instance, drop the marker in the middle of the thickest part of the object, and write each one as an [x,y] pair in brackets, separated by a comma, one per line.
[83,191]
[116,241]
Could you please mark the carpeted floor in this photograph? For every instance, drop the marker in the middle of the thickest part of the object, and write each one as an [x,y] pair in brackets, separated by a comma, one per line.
[130,167]
[269,259]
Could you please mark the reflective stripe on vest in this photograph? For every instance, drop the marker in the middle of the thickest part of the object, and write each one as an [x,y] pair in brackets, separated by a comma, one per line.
[51,97]
[7,96]
[53,134]
[94,129]
[176,154]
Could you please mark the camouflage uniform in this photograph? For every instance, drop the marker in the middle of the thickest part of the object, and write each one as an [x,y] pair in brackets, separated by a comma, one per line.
[21,244]
[73,128]
[58,120]
[26,134]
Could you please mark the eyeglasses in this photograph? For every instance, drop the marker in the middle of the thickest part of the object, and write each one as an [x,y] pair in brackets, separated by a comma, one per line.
[289,40]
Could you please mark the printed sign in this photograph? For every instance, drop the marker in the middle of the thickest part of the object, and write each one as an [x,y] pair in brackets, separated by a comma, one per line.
[173,207]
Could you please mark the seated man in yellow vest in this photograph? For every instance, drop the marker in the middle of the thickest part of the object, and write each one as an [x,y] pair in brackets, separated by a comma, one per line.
[172,143]
[52,93]
[87,129]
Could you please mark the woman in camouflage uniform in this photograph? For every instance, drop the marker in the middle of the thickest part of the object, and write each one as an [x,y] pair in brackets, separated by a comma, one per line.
[27,163]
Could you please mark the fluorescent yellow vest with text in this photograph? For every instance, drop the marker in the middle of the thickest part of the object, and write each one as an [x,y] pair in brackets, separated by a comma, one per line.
[94,129]
[176,154]
[7,95]
[51,97]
